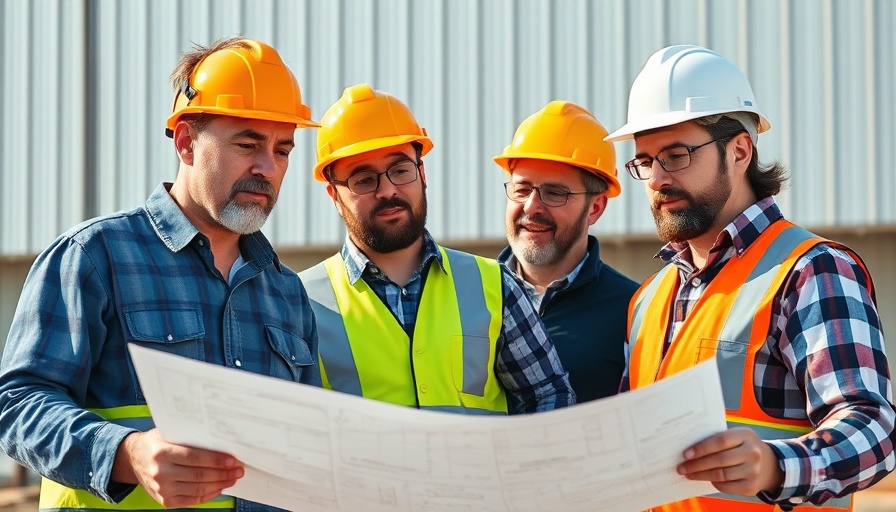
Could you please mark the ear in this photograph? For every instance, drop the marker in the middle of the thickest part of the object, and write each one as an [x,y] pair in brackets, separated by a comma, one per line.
[598,205]
[183,142]
[741,152]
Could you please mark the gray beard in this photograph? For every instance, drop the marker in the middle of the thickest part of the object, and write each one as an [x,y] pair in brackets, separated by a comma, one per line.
[243,220]
[534,255]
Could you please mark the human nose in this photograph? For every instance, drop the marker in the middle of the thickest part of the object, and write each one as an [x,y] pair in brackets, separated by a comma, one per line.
[534,201]
[265,163]
[659,177]
[384,186]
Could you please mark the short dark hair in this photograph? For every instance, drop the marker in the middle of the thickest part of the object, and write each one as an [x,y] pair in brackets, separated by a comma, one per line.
[594,184]
[765,180]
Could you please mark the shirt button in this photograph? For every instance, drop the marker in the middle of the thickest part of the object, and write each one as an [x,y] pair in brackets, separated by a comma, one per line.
[292,358]
[696,282]
[404,292]
[170,337]
[374,270]
[202,243]
[423,388]
[238,363]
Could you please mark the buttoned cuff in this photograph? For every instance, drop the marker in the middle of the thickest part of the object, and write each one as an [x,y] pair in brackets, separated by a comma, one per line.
[98,470]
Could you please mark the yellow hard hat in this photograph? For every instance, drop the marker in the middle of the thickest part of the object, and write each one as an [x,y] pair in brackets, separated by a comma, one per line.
[565,132]
[364,120]
[250,82]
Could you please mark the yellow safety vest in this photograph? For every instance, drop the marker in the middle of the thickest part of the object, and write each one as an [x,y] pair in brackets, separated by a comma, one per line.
[729,323]
[55,496]
[448,365]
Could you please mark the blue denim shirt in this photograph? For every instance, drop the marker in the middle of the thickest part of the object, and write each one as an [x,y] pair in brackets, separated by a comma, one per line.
[145,276]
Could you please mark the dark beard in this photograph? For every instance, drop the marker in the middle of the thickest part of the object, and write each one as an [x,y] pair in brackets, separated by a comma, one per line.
[695,219]
[381,239]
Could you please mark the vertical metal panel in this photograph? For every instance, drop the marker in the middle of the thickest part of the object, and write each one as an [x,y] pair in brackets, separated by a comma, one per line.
[16,129]
[499,116]
[85,96]
[42,127]
[882,109]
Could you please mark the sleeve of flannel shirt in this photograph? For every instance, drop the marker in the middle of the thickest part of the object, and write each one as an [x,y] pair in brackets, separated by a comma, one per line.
[56,333]
[831,342]
[527,363]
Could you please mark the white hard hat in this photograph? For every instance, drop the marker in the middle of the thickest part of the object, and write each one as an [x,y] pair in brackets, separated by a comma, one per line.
[682,83]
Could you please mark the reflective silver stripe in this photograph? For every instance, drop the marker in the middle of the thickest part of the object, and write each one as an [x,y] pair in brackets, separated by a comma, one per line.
[474,317]
[734,339]
[459,409]
[644,299]
[836,503]
[336,353]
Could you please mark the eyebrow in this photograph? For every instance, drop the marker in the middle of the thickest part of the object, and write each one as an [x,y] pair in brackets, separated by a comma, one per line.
[396,156]
[249,133]
[543,184]
[676,144]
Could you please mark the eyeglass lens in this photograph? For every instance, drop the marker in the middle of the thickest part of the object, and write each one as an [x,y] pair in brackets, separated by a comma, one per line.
[368,181]
[550,195]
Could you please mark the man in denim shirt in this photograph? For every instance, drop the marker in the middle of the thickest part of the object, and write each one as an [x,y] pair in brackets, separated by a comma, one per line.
[188,273]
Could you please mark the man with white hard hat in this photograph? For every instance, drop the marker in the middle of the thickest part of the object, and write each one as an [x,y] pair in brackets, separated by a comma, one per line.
[789,317]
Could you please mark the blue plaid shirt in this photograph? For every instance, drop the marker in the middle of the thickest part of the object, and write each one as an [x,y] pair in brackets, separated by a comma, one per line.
[526,364]
[146,276]
[823,360]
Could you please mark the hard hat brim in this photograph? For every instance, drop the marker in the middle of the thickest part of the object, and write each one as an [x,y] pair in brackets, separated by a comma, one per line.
[370,145]
[299,121]
[628,130]
[614,188]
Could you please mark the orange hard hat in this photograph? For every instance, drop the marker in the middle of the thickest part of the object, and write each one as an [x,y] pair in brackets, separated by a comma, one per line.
[250,82]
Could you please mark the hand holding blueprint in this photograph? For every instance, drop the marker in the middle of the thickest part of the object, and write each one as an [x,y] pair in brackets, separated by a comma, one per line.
[311,450]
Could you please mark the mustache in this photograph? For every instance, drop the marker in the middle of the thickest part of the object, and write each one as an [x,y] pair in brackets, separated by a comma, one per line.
[534,219]
[255,185]
[670,193]
[392,202]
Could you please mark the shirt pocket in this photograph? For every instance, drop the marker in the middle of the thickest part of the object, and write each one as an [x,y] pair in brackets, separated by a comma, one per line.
[175,331]
[292,355]
[731,359]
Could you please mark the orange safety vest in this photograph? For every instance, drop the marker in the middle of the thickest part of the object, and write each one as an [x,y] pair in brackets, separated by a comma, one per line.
[730,323]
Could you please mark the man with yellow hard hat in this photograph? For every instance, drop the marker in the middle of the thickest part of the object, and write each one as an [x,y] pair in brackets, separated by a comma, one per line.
[188,273]
[561,175]
[790,318]
[400,318]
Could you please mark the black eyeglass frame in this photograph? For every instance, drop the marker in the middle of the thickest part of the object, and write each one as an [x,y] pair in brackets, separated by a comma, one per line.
[632,168]
[541,197]
[379,175]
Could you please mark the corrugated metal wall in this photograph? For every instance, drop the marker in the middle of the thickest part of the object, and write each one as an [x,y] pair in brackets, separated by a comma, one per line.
[85,96]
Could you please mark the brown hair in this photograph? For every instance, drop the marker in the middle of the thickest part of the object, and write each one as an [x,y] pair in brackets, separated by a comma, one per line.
[765,180]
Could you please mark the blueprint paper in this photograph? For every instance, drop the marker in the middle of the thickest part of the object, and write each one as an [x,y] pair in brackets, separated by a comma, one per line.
[310,450]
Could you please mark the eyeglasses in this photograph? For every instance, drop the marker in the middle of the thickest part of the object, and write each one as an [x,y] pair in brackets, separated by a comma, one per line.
[367,182]
[671,160]
[551,195]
